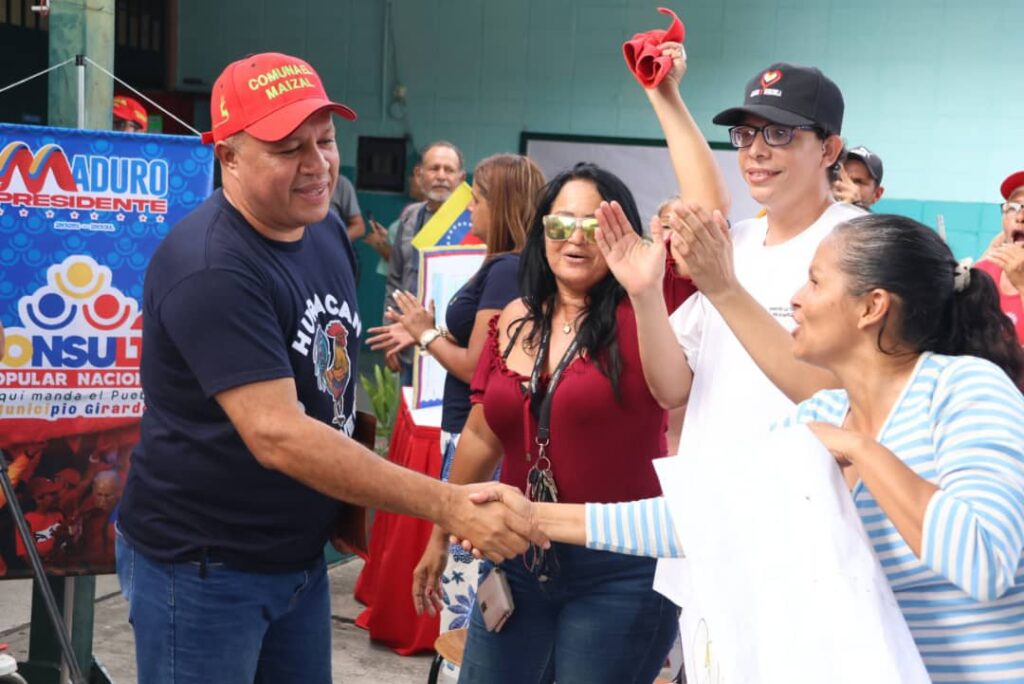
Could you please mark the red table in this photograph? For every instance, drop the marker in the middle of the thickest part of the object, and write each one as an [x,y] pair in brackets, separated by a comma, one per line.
[396,543]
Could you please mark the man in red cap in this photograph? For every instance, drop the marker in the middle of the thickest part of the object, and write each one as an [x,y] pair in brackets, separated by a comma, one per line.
[1004,260]
[252,331]
[129,115]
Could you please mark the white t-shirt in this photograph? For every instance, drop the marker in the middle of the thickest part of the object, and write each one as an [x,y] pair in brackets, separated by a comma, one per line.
[731,399]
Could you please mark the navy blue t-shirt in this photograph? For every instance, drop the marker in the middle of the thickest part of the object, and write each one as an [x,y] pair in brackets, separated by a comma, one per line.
[224,307]
[492,287]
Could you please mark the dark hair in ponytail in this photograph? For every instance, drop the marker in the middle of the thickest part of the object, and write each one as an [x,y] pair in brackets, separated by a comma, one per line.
[915,265]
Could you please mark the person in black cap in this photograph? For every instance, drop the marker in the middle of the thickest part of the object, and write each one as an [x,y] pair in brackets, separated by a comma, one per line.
[860,178]
[787,133]
[727,352]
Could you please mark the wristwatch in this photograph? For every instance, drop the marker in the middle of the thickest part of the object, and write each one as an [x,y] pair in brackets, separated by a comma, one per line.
[428,336]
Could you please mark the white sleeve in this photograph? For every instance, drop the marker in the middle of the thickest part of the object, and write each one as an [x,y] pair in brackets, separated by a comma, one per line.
[688,324]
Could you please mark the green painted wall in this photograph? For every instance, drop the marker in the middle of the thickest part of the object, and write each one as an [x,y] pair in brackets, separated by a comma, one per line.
[931,85]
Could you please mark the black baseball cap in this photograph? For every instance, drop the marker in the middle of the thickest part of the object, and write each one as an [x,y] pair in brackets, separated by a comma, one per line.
[791,95]
[871,160]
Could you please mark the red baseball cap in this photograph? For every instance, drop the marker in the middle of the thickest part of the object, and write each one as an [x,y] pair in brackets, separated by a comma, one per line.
[1012,182]
[268,96]
[130,109]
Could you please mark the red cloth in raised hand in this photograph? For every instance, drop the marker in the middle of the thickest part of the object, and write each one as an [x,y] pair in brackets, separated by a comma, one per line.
[643,56]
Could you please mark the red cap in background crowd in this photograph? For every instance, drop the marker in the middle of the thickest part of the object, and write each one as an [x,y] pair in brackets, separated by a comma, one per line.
[1012,182]
[268,96]
[129,109]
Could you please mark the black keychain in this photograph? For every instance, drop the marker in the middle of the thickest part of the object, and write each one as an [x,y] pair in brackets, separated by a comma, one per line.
[541,485]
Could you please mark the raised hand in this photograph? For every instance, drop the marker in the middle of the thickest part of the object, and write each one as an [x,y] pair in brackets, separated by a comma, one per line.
[638,264]
[377,238]
[413,317]
[844,189]
[426,577]
[702,239]
[1009,256]
[389,338]
[674,77]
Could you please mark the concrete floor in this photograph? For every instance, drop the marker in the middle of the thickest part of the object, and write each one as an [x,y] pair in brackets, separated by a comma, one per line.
[357,660]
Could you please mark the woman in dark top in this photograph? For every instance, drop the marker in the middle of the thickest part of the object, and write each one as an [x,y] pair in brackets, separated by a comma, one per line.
[505,191]
[567,355]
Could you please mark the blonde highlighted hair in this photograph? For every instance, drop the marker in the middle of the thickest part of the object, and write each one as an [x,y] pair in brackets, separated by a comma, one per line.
[511,184]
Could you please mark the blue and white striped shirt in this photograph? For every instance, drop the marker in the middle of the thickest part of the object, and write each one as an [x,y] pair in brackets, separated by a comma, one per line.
[960,425]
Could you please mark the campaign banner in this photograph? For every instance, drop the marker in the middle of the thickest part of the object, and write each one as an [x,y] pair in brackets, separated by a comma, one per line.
[81,212]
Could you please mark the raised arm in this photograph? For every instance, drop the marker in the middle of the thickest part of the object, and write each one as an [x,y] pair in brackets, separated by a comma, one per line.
[700,180]
[639,266]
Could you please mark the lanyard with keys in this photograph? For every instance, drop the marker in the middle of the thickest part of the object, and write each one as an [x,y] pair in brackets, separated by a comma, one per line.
[540,481]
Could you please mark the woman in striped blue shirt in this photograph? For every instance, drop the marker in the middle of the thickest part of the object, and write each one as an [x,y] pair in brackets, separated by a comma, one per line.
[928,429]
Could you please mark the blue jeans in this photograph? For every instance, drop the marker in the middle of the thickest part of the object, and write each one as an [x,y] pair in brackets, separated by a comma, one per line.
[229,627]
[596,621]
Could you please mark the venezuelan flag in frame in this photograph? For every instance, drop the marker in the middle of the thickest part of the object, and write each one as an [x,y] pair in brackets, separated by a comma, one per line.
[449,227]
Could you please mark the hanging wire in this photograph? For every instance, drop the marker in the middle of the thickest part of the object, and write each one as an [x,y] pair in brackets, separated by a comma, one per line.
[125,84]
[150,101]
[41,73]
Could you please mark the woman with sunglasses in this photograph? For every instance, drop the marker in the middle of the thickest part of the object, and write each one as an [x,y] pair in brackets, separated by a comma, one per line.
[1004,261]
[560,401]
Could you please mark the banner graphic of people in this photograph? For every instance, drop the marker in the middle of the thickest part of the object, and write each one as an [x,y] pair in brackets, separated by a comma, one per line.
[81,212]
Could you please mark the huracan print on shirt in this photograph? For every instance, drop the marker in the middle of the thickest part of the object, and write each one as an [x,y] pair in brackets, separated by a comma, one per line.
[331,365]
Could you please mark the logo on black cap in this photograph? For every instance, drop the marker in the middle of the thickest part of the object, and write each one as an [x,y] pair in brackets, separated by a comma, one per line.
[770,78]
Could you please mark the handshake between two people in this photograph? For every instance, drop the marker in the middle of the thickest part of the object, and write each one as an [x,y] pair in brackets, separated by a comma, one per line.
[496,522]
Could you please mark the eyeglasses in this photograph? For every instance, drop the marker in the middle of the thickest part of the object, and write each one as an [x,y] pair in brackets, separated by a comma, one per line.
[1012,207]
[559,227]
[775,135]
